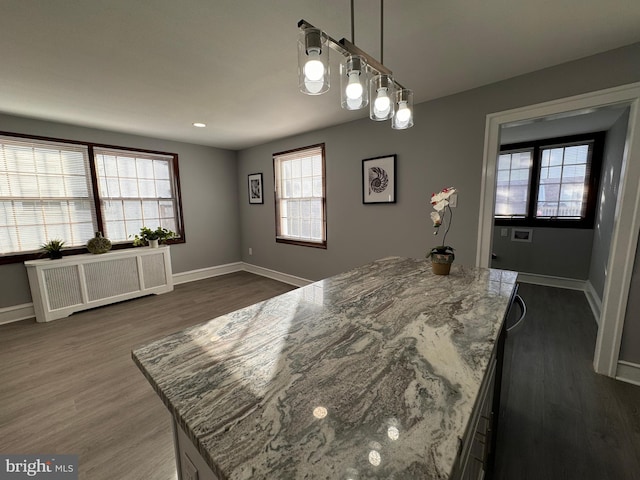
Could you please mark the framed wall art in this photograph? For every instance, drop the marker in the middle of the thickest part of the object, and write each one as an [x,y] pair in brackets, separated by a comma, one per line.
[255,188]
[379,179]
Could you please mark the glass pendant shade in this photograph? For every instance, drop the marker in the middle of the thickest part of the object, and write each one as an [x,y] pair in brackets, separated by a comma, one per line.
[313,61]
[353,83]
[403,116]
[382,94]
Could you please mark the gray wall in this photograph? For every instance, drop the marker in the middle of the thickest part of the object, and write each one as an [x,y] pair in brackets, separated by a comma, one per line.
[630,345]
[558,252]
[208,178]
[444,148]
[609,183]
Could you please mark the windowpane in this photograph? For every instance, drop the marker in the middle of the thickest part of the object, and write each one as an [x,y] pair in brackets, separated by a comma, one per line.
[547,209]
[137,188]
[147,188]
[555,156]
[504,162]
[549,193]
[150,210]
[514,174]
[574,173]
[576,154]
[129,188]
[45,189]
[299,180]
[572,191]
[145,168]
[307,187]
[550,175]
[563,188]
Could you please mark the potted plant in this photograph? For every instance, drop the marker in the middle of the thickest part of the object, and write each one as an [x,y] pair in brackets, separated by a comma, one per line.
[99,244]
[442,256]
[53,248]
[152,237]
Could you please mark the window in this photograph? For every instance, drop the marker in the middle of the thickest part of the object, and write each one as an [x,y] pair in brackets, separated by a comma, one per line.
[300,196]
[45,193]
[514,175]
[136,189]
[550,182]
[69,190]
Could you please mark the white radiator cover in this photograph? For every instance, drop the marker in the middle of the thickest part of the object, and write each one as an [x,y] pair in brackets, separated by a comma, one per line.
[71,284]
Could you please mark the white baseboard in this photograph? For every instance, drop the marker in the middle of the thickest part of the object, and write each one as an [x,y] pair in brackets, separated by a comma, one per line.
[282,277]
[16,313]
[550,281]
[595,303]
[202,273]
[628,372]
[22,312]
[594,300]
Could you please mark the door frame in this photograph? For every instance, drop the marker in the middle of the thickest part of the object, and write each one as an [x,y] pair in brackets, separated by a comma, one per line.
[627,214]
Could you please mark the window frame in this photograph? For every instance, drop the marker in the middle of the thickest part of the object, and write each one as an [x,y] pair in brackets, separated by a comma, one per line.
[304,243]
[530,220]
[22,257]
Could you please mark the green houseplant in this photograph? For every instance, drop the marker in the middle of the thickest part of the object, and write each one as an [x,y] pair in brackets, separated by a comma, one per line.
[99,244]
[152,237]
[53,248]
[442,256]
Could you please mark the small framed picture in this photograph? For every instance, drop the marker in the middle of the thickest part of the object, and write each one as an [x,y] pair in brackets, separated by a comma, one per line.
[255,188]
[521,235]
[379,179]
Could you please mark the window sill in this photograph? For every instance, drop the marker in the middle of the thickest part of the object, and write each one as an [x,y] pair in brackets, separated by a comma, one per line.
[302,243]
[544,223]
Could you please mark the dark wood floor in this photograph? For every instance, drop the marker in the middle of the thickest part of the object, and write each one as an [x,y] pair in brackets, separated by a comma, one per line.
[559,419]
[70,386]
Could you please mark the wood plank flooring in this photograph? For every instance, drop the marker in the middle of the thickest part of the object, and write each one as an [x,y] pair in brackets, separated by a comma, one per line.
[559,419]
[70,386]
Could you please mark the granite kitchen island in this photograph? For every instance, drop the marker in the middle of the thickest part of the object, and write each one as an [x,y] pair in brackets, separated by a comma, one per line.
[382,372]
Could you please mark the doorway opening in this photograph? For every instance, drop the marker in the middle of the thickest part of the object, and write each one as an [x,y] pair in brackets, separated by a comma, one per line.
[626,222]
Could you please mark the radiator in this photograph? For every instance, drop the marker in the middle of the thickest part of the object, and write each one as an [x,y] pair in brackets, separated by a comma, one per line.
[71,284]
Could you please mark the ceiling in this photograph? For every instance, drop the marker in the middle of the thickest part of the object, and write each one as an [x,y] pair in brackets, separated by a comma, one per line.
[569,123]
[154,67]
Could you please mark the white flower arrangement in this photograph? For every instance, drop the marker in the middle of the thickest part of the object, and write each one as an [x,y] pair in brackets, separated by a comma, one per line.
[440,203]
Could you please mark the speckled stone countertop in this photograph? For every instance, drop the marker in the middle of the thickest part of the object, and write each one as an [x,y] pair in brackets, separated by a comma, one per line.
[371,374]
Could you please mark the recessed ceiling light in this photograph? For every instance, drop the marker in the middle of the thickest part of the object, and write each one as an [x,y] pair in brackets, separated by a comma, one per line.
[199,125]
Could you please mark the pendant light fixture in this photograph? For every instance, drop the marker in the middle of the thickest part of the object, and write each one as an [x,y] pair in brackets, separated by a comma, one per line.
[363,80]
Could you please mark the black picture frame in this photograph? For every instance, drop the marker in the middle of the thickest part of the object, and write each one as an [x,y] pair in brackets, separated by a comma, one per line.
[256,190]
[379,179]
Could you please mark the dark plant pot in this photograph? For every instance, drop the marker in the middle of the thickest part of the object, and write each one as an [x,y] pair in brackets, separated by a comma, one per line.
[441,263]
[55,255]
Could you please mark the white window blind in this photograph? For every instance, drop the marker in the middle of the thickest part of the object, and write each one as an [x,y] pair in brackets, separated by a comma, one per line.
[136,189]
[300,196]
[45,194]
